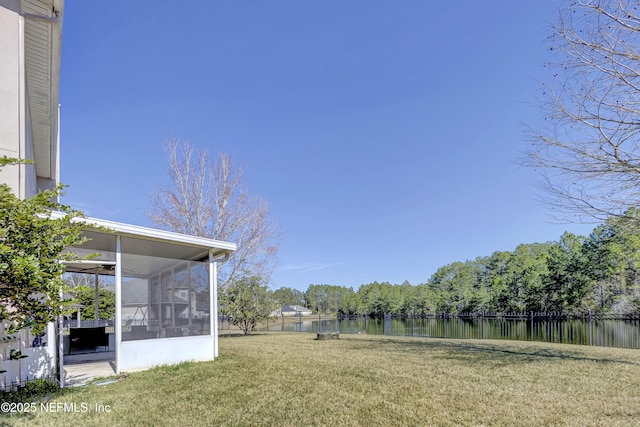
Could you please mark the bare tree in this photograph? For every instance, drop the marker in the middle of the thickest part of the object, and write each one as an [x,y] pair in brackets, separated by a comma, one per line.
[589,150]
[207,198]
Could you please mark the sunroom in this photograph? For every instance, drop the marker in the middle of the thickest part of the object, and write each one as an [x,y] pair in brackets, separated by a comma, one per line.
[165,289]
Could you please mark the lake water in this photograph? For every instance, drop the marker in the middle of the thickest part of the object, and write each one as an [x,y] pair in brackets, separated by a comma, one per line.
[623,333]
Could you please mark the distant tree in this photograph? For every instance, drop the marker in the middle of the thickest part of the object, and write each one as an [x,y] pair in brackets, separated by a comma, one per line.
[207,198]
[423,299]
[574,274]
[288,296]
[326,298]
[497,281]
[525,275]
[320,298]
[569,281]
[459,287]
[79,279]
[316,298]
[383,298]
[85,295]
[350,303]
[373,299]
[589,152]
[246,301]
[612,255]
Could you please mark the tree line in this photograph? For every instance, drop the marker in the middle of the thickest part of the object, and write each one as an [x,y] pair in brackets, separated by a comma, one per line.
[600,272]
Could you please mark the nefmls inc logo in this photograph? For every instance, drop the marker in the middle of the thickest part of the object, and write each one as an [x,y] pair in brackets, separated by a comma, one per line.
[64,407]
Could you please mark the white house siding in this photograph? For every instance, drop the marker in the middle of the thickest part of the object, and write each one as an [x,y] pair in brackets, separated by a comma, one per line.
[15,141]
[39,363]
[12,93]
[16,127]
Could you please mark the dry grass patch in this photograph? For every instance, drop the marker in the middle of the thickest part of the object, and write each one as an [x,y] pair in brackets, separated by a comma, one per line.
[292,379]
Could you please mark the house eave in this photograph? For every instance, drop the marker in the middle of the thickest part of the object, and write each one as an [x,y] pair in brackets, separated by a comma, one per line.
[42,41]
[219,247]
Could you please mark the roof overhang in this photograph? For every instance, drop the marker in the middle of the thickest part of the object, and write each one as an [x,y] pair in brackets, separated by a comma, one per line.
[160,236]
[140,242]
[42,48]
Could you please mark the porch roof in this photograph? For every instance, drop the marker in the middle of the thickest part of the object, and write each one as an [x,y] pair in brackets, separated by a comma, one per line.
[142,241]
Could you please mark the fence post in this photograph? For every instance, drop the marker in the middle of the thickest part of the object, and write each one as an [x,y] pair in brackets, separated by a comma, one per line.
[590,328]
[531,330]
[444,329]
[638,340]
[387,324]
[413,331]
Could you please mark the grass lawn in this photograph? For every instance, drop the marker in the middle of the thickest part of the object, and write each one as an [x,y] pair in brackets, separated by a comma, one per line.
[288,379]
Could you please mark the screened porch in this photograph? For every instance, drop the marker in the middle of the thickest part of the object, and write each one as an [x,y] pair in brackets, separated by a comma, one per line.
[164,289]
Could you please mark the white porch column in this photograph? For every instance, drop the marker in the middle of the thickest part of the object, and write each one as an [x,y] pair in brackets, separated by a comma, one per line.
[96,303]
[213,300]
[61,376]
[118,289]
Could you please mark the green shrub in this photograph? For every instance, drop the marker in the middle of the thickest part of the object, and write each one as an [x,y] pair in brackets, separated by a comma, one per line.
[32,390]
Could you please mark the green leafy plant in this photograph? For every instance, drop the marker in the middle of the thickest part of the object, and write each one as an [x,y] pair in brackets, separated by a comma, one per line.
[33,242]
[247,301]
[31,391]
[32,246]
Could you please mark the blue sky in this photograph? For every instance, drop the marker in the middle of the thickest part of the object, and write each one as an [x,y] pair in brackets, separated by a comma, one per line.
[384,135]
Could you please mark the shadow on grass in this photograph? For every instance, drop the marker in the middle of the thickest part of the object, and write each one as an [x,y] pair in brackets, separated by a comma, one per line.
[507,353]
[231,335]
[241,334]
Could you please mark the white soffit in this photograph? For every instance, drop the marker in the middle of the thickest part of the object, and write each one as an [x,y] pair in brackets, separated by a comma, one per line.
[146,233]
[42,41]
[148,241]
